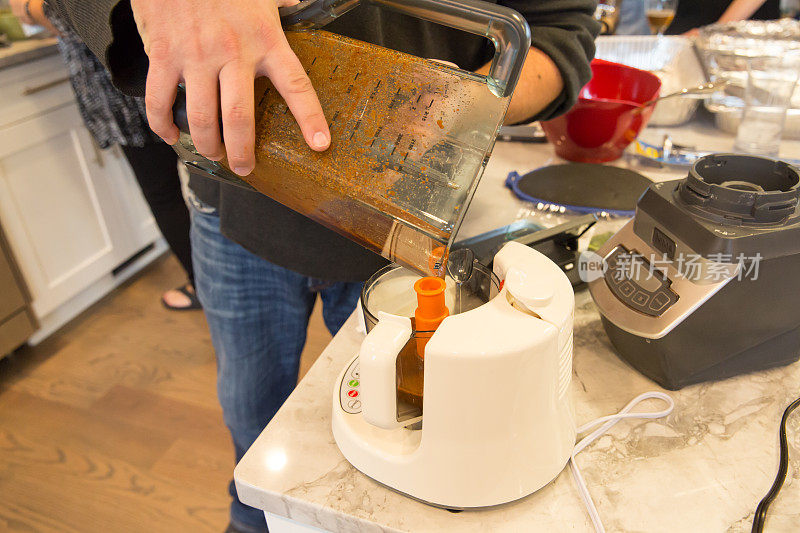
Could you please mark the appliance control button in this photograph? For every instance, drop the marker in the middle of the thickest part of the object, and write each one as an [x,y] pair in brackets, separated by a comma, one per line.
[354,404]
[627,289]
[640,298]
[659,302]
[352,393]
[353,383]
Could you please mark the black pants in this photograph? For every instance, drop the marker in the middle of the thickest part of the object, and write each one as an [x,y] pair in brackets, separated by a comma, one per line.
[156,170]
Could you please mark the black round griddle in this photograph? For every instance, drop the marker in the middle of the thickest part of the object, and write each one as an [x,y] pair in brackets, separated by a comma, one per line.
[583,187]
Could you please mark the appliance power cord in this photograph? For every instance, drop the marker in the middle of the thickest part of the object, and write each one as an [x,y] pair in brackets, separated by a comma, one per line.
[605,423]
[783,466]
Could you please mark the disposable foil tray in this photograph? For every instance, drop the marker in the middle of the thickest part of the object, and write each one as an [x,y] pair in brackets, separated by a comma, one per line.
[725,48]
[672,59]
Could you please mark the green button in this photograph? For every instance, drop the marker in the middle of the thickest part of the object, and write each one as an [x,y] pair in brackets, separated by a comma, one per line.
[353,383]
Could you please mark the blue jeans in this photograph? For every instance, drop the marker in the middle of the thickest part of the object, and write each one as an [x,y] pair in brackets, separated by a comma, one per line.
[258,314]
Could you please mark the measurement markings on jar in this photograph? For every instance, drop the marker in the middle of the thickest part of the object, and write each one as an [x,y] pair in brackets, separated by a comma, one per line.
[358,125]
[396,143]
[375,90]
[333,120]
[375,137]
[263,98]
[396,100]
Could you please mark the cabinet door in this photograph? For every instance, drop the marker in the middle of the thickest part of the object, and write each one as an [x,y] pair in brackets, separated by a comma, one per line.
[12,300]
[28,89]
[134,213]
[56,208]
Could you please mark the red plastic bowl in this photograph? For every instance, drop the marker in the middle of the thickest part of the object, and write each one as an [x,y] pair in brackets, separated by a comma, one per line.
[604,121]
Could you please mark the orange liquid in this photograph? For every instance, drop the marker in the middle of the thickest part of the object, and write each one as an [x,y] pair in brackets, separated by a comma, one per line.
[405,146]
[410,376]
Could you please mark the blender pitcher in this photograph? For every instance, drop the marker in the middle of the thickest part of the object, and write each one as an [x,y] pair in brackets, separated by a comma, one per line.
[409,137]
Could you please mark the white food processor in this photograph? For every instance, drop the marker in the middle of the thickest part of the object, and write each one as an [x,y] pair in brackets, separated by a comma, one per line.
[496,423]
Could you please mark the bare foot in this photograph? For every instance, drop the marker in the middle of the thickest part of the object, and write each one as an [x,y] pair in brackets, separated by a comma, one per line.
[174,298]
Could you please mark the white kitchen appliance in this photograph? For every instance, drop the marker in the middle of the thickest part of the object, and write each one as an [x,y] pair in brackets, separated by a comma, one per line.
[497,421]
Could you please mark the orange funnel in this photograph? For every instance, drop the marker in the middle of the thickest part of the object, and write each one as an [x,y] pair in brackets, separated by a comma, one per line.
[431,309]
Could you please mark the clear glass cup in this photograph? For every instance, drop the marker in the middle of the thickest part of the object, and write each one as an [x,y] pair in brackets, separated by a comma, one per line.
[770,84]
[660,14]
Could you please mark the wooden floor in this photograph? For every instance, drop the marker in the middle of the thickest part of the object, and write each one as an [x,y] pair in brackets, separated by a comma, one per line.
[113,423]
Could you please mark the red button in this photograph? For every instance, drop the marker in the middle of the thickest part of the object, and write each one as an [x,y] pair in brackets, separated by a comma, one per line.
[352,393]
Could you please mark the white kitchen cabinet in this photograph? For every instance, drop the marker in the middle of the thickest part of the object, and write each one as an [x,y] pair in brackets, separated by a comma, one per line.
[72,213]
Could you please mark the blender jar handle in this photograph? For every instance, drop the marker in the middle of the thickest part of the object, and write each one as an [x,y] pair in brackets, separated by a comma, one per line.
[507,29]
[378,371]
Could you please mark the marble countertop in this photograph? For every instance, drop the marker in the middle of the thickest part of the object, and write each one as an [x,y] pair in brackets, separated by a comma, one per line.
[703,468]
[28,50]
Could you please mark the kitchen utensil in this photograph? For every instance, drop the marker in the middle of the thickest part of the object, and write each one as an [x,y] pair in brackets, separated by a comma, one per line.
[671,58]
[410,137]
[668,153]
[459,267]
[698,91]
[606,118]
[496,422]
[672,154]
[702,284]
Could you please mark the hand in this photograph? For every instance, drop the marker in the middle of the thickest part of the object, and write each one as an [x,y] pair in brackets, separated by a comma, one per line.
[217,49]
[19,11]
[36,10]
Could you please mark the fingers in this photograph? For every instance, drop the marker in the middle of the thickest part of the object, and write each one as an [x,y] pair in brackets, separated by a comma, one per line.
[238,116]
[202,112]
[160,91]
[289,78]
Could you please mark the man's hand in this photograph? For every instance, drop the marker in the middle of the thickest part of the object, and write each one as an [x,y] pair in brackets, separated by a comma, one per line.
[217,49]
[19,11]
[31,12]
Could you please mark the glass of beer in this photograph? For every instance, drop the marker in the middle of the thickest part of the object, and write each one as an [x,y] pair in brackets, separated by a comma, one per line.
[660,14]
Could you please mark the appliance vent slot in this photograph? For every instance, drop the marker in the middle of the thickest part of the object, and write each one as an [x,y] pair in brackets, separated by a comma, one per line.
[565,369]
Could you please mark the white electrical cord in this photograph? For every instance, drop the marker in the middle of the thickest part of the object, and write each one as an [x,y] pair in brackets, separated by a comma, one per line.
[607,422]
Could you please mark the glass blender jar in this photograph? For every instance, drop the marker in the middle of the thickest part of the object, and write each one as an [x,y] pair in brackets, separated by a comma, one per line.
[410,137]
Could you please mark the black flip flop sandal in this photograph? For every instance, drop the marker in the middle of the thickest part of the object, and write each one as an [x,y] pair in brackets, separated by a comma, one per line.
[193,306]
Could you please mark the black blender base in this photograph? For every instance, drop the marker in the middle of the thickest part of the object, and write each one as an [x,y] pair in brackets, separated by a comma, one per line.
[670,365]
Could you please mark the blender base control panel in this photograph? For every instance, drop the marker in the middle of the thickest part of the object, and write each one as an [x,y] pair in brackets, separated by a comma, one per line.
[349,389]
[639,286]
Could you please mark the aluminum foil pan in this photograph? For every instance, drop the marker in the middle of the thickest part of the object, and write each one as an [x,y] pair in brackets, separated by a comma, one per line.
[725,49]
[672,59]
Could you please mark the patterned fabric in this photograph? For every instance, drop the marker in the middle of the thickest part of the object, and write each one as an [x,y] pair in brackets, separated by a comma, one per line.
[111,116]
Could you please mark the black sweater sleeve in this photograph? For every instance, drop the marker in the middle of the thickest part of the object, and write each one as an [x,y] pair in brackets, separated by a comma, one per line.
[108,29]
[564,30]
